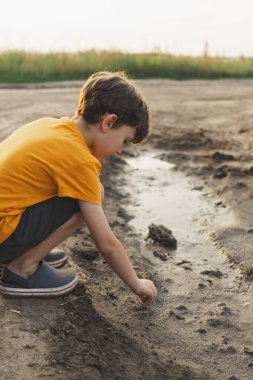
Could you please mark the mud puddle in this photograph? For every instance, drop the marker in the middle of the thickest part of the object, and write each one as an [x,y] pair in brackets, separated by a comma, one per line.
[165,196]
[208,302]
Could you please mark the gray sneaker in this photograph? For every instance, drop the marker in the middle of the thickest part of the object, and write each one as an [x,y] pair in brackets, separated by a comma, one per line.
[56,258]
[45,282]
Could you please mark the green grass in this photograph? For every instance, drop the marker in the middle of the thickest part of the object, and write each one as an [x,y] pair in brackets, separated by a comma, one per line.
[28,67]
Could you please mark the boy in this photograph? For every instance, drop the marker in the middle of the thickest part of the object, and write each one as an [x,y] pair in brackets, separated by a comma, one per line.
[49,186]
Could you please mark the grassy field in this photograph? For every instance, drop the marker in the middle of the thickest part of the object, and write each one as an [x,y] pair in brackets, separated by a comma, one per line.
[27,67]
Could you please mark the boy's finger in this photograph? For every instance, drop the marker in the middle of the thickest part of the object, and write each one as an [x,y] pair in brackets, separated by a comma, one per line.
[145,300]
[146,303]
[154,295]
[148,300]
[154,289]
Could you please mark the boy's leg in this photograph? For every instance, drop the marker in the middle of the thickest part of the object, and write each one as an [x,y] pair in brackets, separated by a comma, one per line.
[41,228]
[37,222]
[26,264]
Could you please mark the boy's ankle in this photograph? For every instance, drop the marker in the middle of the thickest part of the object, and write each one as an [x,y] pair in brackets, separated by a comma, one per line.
[21,269]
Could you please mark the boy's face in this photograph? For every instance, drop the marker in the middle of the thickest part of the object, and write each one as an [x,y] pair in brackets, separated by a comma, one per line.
[112,141]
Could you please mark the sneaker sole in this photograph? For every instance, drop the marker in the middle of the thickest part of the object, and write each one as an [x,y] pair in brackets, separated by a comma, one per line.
[57,263]
[6,290]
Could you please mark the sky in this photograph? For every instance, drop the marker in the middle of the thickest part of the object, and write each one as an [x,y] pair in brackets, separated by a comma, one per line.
[180,27]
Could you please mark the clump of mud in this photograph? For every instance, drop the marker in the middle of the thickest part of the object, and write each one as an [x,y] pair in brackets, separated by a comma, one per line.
[162,236]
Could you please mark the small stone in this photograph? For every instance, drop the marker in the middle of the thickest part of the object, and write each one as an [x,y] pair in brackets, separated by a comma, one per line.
[219,204]
[197,188]
[213,273]
[112,295]
[182,308]
[29,346]
[178,316]
[183,262]
[243,130]
[201,331]
[220,173]
[229,350]
[162,235]
[223,310]
[162,255]
[218,156]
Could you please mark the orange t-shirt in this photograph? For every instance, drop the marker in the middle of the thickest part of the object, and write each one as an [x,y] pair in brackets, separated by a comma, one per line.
[44,159]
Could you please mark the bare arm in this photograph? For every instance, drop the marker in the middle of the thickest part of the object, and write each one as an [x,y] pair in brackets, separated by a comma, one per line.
[114,253]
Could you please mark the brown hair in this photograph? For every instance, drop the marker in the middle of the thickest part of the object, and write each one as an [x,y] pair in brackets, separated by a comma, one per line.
[114,93]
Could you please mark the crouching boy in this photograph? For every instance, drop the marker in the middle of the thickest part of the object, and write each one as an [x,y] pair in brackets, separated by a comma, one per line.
[49,186]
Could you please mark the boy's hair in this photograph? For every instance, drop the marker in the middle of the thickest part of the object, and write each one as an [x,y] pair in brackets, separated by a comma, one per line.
[114,93]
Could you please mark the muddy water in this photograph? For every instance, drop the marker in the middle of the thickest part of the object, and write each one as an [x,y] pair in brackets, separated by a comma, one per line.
[196,276]
[162,195]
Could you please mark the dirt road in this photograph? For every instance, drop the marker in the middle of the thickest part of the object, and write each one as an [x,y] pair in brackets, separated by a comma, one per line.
[201,325]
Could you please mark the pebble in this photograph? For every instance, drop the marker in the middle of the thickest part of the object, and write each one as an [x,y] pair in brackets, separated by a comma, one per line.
[162,235]
[214,273]
[178,316]
[201,331]
[162,255]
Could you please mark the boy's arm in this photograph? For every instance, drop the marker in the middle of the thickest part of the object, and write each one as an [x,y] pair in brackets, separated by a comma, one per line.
[114,253]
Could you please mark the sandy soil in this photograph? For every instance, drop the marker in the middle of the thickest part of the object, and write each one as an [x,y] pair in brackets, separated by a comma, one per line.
[201,325]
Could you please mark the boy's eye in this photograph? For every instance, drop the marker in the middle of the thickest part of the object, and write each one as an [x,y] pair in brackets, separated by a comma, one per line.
[125,142]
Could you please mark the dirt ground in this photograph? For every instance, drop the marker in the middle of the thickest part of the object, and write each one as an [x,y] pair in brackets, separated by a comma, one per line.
[201,325]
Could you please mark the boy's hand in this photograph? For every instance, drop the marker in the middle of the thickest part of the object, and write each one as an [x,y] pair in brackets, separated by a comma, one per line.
[114,253]
[146,290]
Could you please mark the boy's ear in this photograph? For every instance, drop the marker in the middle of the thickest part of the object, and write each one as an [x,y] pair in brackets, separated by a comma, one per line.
[108,121]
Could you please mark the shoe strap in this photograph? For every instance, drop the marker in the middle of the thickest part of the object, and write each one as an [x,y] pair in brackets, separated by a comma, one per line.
[10,277]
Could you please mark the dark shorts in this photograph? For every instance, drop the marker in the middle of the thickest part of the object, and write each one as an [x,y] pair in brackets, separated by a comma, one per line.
[37,222]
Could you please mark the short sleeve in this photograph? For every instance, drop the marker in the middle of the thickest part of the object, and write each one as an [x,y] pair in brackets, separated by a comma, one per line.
[80,182]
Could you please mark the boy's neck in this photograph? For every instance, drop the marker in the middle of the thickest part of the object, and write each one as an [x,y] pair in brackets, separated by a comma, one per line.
[85,129]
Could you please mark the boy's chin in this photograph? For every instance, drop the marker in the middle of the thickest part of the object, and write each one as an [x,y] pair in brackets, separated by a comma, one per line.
[104,157]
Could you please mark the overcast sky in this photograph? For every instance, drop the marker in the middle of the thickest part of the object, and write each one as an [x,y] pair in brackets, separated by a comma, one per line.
[174,26]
